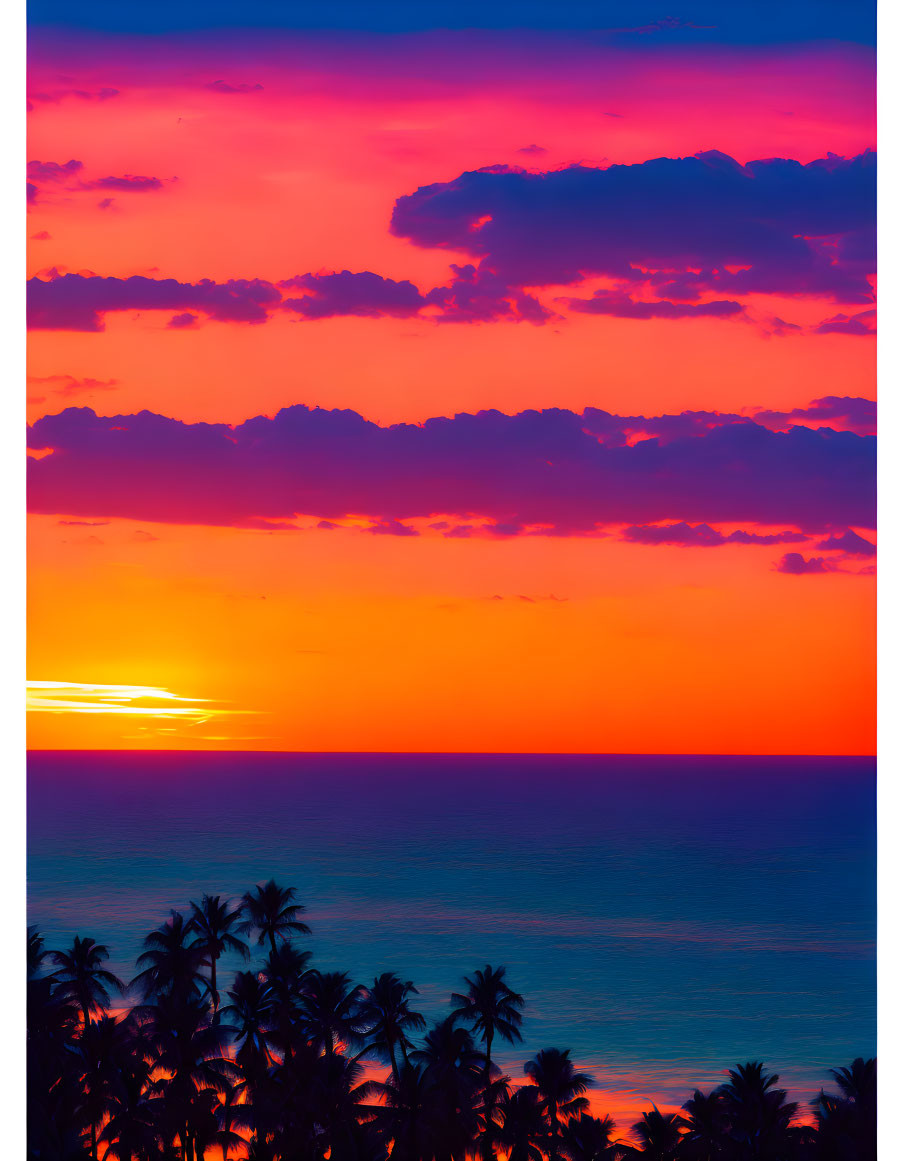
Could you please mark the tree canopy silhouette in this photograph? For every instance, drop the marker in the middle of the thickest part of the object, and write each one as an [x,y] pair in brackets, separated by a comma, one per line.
[285,1066]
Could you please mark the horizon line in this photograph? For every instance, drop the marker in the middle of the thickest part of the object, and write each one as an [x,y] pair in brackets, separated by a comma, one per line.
[446,753]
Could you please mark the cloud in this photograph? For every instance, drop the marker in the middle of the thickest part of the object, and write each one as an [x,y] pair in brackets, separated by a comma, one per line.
[476,294]
[703,535]
[69,385]
[794,564]
[620,305]
[225,87]
[555,472]
[54,96]
[41,236]
[183,322]
[42,171]
[128,183]
[850,412]
[849,542]
[392,527]
[533,150]
[75,302]
[680,238]
[364,294]
[771,226]
[843,324]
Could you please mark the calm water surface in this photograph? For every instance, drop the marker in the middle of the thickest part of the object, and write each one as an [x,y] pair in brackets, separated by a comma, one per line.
[664,916]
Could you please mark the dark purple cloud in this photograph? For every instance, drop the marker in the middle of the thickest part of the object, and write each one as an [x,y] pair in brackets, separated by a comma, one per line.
[476,294]
[844,324]
[127,183]
[392,527]
[795,564]
[75,302]
[533,150]
[344,293]
[54,96]
[705,222]
[849,542]
[703,535]
[183,322]
[554,471]
[850,412]
[225,87]
[613,302]
[41,171]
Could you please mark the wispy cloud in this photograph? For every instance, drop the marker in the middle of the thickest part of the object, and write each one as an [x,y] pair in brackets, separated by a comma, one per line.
[79,697]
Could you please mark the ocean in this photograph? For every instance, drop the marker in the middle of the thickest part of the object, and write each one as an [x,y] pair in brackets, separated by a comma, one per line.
[665,917]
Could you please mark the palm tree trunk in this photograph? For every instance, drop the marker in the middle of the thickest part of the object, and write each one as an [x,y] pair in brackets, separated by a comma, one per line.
[394,1062]
[487,1150]
[213,991]
[553,1118]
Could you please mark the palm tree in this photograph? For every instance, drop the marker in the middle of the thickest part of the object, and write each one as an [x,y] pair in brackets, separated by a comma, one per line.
[660,1135]
[214,922]
[190,1059]
[285,972]
[82,979]
[171,961]
[588,1138]
[847,1123]
[524,1128]
[491,1008]
[132,1132]
[408,1117]
[251,1015]
[100,1048]
[760,1115]
[452,1063]
[707,1126]
[561,1088]
[36,952]
[270,911]
[387,1013]
[330,1010]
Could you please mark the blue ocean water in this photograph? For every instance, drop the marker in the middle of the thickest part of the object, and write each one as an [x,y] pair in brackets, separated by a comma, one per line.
[665,917]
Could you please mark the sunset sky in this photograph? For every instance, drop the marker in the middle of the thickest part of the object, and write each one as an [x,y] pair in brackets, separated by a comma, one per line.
[478,378]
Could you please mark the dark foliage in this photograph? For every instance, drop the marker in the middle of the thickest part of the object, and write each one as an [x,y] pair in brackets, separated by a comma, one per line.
[289,1064]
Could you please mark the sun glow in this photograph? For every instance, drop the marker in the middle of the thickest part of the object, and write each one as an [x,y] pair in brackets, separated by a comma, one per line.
[136,700]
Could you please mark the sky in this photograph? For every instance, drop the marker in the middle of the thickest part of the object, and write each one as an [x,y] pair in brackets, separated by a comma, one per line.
[453,378]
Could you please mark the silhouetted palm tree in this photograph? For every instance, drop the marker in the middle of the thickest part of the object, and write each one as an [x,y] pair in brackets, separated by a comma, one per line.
[588,1138]
[271,912]
[707,1126]
[330,1010]
[36,952]
[190,1057]
[760,1115]
[410,1116]
[561,1088]
[660,1135]
[171,961]
[388,1017]
[452,1064]
[847,1122]
[81,977]
[524,1130]
[491,1008]
[213,922]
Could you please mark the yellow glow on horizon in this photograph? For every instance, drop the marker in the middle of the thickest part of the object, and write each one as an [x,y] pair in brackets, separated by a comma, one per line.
[66,697]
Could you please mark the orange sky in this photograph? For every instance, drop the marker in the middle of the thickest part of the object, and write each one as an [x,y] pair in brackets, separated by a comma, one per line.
[346,641]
